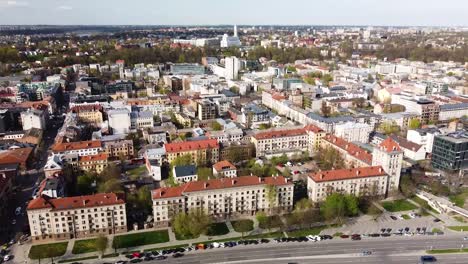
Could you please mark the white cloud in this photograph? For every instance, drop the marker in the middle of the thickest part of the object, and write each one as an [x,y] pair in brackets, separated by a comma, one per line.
[65,7]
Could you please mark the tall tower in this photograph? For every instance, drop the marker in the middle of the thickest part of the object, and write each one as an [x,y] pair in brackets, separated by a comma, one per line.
[235,30]
[390,156]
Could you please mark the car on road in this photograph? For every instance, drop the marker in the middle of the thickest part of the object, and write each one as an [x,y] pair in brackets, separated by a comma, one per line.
[177,255]
[160,258]
[465,238]
[437,220]
[366,253]
[344,236]
[120,262]
[7,257]
[427,259]
[393,217]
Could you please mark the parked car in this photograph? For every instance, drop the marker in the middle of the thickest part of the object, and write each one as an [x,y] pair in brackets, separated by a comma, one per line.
[393,217]
[7,257]
[177,255]
[427,259]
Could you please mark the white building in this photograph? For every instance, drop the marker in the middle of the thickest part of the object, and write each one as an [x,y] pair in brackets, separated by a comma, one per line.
[390,156]
[81,148]
[142,119]
[232,66]
[424,137]
[227,41]
[76,217]
[354,132]
[119,121]
[33,118]
[183,174]
[224,169]
[364,181]
[453,111]
[222,198]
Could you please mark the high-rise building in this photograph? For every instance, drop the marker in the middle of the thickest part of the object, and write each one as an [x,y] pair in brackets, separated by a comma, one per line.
[232,66]
[390,156]
[450,152]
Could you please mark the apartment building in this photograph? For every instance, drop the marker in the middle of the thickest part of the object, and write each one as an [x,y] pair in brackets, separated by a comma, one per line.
[206,109]
[353,155]
[89,113]
[76,217]
[354,132]
[427,109]
[96,163]
[278,142]
[143,119]
[450,151]
[389,155]
[364,181]
[202,151]
[34,118]
[82,148]
[119,149]
[223,198]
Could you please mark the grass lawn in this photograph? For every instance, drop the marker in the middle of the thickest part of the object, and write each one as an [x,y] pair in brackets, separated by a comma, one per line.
[458,228]
[424,204]
[247,222]
[136,172]
[77,259]
[111,255]
[447,251]
[337,234]
[266,235]
[48,250]
[460,219]
[84,246]
[217,229]
[398,205]
[182,237]
[308,231]
[406,217]
[140,239]
[436,230]
[273,221]
[459,199]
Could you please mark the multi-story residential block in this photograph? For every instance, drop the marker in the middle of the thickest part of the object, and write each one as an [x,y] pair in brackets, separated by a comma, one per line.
[353,155]
[224,168]
[33,118]
[389,155]
[155,136]
[201,151]
[252,116]
[354,132]
[223,198]
[143,119]
[183,174]
[453,111]
[315,136]
[237,151]
[423,136]
[427,109]
[363,181]
[206,109]
[450,152]
[89,113]
[187,69]
[76,217]
[279,142]
[96,163]
[119,149]
[82,148]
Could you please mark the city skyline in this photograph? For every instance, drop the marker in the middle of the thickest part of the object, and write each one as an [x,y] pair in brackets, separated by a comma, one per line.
[207,12]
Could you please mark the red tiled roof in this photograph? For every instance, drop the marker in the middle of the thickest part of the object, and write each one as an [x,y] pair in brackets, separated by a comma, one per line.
[100,199]
[347,174]
[101,156]
[389,145]
[280,133]
[313,128]
[352,149]
[58,147]
[15,156]
[168,192]
[191,145]
[223,164]
[86,108]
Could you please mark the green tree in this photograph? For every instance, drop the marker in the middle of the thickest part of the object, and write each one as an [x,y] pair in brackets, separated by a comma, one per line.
[414,123]
[388,128]
[374,211]
[271,195]
[301,211]
[182,160]
[330,158]
[112,171]
[216,126]
[101,244]
[338,206]
[84,184]
[243,226]
[325,109]
[204,173]
[110,186]
[180,225]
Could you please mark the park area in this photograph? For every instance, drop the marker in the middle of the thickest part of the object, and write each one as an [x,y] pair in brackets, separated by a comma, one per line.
[398,206]
[140,239]
[48,250]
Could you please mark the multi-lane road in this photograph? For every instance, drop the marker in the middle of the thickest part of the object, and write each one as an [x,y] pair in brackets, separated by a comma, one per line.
[384,250]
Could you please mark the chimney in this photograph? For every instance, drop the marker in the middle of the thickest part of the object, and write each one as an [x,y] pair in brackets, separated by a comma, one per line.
[357,172]
[321,176]
[259,179]
[205,185]
[84,202]
[233,182]
[380,169]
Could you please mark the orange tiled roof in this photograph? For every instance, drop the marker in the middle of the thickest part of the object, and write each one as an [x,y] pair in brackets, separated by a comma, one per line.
[58,147]
[101,156]
[352,149]
[313,128]
[347,174]
[280,133]
[223,164]
[389,145]
[191,145]
[168,192]
[15,156]
[86,108]
[100,199]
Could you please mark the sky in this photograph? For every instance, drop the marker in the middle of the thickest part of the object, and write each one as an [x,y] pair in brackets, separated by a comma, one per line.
[241,12]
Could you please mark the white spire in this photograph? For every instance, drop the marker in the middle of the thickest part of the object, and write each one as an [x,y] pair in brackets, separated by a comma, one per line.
[235,30]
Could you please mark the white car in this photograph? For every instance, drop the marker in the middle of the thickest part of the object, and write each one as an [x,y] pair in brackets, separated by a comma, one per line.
[400,217]
[7,257]
[215,244]
[412,215]
[465,238]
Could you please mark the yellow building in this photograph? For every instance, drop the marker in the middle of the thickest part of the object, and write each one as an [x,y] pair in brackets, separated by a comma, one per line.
[201,151]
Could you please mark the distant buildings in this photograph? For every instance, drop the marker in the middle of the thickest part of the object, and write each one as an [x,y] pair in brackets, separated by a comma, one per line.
[228,41]
[201,151]
[34,119]
[119,121]
[354,132]
[76,217]
[223,198]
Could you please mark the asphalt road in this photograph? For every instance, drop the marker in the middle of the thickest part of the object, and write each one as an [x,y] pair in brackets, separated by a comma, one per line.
[388,250]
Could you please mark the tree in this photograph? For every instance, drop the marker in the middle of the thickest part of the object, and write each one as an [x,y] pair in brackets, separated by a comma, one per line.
[261,217]
[330,158]
[180,224]
[192,224]
[359,103]
[216,126]
[374,211]
[414,123]
[101,244]
[338,206]
[271,195]
[204,173]
[243,226]
[388,128]
[182,160]
[111,172]
[301,210]
[407,186]
[84,184]
[110,186]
